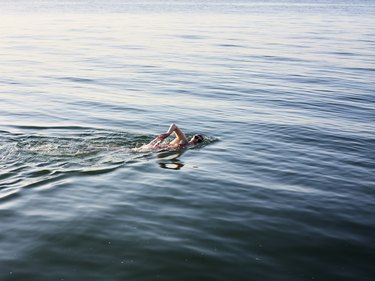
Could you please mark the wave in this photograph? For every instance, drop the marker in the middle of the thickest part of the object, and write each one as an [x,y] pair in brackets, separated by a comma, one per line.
[45,155]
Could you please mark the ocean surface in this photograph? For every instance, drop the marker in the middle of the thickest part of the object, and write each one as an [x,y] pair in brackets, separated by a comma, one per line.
[283,187]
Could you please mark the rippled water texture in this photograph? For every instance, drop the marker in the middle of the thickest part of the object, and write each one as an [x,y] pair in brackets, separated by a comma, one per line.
[281,189]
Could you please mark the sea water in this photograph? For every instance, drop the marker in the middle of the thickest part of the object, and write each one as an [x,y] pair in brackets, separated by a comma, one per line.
[281,189]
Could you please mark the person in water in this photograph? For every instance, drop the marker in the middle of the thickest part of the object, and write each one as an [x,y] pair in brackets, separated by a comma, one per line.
[180,140]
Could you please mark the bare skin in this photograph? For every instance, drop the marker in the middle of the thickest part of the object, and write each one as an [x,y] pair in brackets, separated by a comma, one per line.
[179,141]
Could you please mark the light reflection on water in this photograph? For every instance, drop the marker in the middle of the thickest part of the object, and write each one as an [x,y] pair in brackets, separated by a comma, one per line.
[283,189]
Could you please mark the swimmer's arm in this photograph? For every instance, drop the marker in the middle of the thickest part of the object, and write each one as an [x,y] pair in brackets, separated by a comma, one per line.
[171,129]
[180,136]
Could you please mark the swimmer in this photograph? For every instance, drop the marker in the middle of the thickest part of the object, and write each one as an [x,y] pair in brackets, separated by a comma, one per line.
[180,140]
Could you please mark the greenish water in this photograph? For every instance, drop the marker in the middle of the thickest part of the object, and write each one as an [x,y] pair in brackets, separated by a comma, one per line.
[282,188]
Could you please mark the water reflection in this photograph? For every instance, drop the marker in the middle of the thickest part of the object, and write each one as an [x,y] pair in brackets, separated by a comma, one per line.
[170,160]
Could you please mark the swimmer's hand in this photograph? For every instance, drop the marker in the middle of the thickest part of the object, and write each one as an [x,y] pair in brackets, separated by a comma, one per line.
[163,136]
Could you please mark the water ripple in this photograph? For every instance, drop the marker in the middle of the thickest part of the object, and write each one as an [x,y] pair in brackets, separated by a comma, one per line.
[286,194]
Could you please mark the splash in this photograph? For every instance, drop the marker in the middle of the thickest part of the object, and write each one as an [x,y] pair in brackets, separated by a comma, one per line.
[41,156]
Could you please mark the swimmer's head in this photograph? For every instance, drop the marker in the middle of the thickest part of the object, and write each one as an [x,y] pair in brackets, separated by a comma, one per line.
[196,139]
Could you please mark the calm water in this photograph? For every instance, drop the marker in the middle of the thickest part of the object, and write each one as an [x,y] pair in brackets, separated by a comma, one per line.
[282,188]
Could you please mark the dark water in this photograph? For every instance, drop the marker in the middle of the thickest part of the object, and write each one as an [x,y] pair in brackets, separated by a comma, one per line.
[282,188]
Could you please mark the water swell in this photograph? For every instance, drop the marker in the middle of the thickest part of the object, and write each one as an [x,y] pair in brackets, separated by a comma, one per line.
[40,156]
